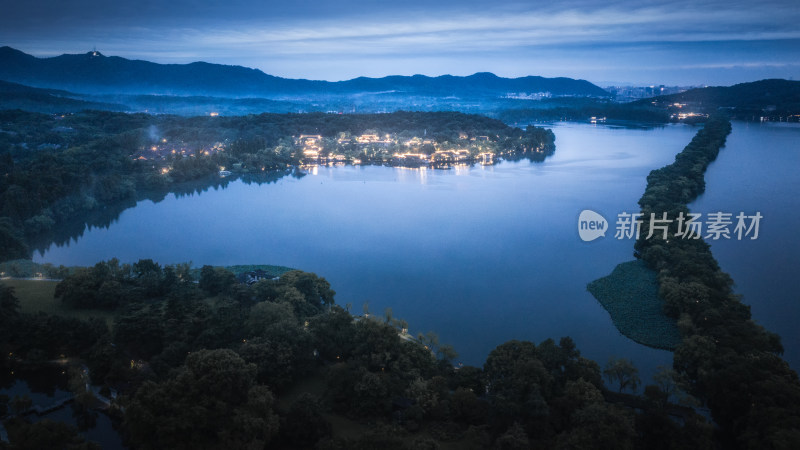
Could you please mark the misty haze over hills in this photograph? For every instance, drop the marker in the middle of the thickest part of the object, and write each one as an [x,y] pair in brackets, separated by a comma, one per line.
[94,73]
[73,83]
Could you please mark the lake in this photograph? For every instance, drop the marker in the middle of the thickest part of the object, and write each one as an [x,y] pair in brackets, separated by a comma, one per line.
[480,255]
[757,171]
[46,386]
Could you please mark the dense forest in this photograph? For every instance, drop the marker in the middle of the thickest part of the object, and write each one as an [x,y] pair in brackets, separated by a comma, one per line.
[59,168]
[725,358]
[214,363]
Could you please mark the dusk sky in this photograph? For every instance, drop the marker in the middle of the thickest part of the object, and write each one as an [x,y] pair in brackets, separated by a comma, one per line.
[640,42]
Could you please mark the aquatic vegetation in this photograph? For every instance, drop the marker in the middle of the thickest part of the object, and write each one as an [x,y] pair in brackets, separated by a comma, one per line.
[630,295]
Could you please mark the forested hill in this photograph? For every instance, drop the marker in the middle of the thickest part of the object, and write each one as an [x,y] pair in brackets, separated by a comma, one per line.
[773,97]
[19,96]
[94,72]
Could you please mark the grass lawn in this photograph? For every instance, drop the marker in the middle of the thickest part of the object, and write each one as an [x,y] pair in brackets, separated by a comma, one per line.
[37,295]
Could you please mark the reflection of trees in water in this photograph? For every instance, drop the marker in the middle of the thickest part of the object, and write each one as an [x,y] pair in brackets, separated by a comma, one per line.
[535,157]
[41,380]
[103,217]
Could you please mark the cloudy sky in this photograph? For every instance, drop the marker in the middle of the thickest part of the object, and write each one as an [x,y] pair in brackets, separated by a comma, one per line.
[641,42]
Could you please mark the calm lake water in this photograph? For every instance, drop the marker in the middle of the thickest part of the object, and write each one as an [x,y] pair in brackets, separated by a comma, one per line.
[757,171]
[479,255]
[48,385]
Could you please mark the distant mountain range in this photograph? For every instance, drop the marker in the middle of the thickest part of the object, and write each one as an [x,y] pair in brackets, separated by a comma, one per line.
[94,73]
[71,83]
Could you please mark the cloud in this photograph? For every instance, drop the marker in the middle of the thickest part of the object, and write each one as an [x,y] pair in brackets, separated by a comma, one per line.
[347,38]
[742,65]
[500,31]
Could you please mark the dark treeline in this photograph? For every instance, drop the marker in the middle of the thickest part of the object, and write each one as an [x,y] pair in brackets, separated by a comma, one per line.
[775,100]
[582,109]
[56,168]
[726,359]
[212,363]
